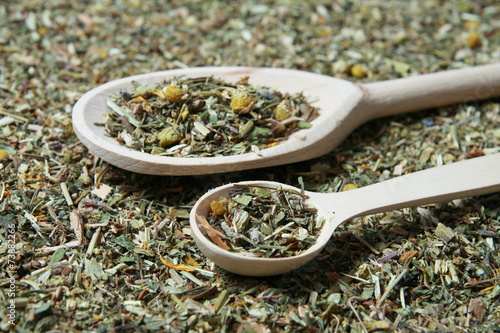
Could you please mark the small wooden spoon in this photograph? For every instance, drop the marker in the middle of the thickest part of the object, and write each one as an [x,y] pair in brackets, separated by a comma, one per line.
[458,180]
[343,107]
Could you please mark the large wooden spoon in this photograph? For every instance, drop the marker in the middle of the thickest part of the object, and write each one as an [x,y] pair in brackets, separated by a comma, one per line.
[458,180]
[343,107]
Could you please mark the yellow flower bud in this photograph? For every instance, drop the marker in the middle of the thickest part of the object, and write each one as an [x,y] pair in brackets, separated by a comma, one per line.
[218,208]
[169,136]
[283,111]
[4,154]
[358,71]
[173,94]
[473,40]
[241,103]
[349,187]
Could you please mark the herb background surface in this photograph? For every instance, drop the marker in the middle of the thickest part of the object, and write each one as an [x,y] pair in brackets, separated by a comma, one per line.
[100,249]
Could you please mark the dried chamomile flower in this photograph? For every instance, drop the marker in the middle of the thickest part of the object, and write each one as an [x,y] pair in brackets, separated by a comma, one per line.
[241,103]
[358,71]
[169,136]
[173,94]
[218,208]
[283,111]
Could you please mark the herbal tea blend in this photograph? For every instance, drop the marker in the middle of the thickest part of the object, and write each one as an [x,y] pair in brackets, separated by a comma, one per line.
[204,117]
[264,222]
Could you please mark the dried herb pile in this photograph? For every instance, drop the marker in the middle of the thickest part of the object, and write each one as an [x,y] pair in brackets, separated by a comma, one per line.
[263,222]
[87,247]
[203,117]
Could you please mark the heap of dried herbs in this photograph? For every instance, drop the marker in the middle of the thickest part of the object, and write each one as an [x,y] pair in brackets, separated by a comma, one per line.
[264,222]
[87,247]
[202,117]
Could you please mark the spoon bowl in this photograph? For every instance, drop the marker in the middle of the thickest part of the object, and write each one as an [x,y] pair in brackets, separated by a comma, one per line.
[343,106]
[472,177]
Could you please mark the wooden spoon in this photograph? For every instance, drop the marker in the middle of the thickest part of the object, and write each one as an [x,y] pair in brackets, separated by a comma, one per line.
[343,107]
[458,180]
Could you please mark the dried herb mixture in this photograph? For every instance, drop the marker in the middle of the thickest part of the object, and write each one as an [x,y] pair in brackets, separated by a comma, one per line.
[204,117]
[100,249]
[264,222]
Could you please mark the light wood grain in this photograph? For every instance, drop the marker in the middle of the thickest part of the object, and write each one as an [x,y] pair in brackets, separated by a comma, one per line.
[454,181]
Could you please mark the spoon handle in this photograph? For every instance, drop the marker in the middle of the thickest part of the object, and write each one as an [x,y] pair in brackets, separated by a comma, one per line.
[430,90]
[472,177]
